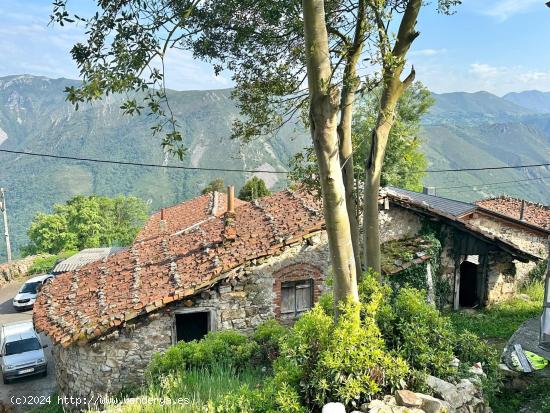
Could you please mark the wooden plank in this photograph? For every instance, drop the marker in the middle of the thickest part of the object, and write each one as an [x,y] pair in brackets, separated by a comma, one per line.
[456,300]
[525,365]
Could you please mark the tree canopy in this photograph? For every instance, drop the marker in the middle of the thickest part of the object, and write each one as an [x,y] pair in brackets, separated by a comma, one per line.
[404,161]
[87,222]
[253,189]
[217,185]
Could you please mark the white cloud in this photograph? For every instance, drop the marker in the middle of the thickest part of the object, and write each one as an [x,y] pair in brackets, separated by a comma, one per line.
[504,9]
[482,76]
[483,70]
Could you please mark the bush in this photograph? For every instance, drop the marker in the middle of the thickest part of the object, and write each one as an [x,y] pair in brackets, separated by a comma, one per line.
[44,263]
[223,347]
[346,361]
[538,274]
[427,340]
[418,331]
[268,336]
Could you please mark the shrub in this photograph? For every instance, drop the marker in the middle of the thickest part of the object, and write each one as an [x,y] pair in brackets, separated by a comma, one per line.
[223,347]
[268,336]
[418,331]
[427,340]
[344,361]
[538,273]
[470,349]
[45,263]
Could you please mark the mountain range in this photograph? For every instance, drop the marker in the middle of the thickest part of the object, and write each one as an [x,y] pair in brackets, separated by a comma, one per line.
[462,130]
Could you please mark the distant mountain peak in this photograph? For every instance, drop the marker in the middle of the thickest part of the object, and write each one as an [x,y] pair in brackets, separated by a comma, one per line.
[534,100]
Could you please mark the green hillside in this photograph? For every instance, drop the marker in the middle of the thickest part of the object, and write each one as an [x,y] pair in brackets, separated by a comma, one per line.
[462,130]
[35,117]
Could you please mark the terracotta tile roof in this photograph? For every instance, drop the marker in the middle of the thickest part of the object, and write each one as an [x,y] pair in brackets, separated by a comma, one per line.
[163,267]
[534,214]
[182,216]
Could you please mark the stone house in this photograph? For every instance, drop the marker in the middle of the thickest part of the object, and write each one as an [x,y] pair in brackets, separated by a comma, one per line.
[216,262]
[210,263]
[485,256]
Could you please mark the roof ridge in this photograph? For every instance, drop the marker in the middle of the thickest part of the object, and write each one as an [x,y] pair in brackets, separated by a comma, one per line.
[433,196]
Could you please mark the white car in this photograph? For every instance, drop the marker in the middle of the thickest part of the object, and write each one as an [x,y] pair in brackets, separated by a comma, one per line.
[21,352]
[25,298]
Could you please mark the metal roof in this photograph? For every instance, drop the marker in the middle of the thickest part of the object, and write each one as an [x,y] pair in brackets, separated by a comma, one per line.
[448,206]
[453,213]
[84,257]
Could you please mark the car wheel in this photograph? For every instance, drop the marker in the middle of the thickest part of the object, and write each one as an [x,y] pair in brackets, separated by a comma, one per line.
[6,381]
[45,373]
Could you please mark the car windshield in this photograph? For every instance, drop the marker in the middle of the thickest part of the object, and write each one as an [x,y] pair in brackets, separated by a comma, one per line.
[22,346]
[30,287]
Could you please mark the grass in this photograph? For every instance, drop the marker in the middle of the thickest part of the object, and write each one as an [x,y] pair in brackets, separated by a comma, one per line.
[190,391]
[534,399]
[496,324]
[499,321]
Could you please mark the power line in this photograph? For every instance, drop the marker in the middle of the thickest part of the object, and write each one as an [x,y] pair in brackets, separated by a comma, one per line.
[493,168]
[191,168]
[491,183]
[148,165]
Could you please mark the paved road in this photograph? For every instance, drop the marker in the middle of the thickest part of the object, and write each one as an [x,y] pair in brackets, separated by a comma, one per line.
[31,386]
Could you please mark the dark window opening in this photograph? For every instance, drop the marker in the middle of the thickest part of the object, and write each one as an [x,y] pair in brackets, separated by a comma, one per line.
[192,326]
[468,296]
[296,296]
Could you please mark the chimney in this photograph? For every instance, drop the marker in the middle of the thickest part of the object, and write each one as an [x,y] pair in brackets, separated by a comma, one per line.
[522,211]
[231,199]
[162,222]
[428,190]
[230,229]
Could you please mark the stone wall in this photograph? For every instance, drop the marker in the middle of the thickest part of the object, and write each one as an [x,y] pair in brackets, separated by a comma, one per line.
[246,298]
[15,269]
[502,279]
[398,223]
[528,240]
[504,274]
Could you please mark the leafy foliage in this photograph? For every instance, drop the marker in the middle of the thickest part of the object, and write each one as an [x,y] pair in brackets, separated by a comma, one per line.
[223,347]
[253,189]
[268,337]
[217,185]
[426,339]
[404,160]
[346,361]
[538,274]
[87,222]
[44,263]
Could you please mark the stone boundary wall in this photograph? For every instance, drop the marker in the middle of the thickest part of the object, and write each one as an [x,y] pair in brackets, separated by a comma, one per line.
[15,269]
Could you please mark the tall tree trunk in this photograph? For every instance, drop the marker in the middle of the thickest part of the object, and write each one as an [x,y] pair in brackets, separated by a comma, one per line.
[393,89]
[324,99]
[350,84]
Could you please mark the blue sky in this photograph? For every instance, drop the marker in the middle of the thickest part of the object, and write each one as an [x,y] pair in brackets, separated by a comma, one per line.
[494,45]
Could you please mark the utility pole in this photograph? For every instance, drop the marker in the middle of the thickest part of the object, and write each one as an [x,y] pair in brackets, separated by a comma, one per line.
[3,208]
